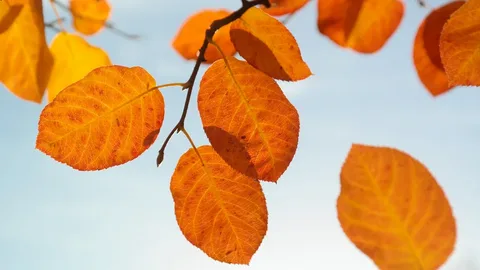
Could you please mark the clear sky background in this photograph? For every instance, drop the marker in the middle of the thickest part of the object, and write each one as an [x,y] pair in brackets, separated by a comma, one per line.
[55,218]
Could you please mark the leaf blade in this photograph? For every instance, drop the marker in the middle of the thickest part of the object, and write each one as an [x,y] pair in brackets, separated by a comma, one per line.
[269,46]
[89,16]
[458,45]
[361,25]
[426,50]
[393,210]
[248,119]
[74,58]
[108,118]
[219,210]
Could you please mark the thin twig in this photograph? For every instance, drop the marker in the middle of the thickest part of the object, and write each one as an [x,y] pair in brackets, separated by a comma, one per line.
[217,24]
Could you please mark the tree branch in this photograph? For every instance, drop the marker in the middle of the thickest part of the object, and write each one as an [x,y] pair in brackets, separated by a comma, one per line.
[217,24]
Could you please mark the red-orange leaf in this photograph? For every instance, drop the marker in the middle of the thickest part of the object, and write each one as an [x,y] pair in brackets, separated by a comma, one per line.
[89,16]
[26,62]
[282,7]
[268,46]
[107,118]
[362,25]
[459,48]
[426,51]
[218,209]
[248,119]
[394,211]
[190,37]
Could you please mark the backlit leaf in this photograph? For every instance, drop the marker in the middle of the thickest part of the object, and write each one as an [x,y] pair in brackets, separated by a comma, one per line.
[89,16]
[26,70]
[282,7]
[362,25]
[74,58]
[248,119]
[268,46]
[8,14]
[459,48]
[108,118]
[393,210]
[190,37]
[16,2]
[426,51]
[218,209]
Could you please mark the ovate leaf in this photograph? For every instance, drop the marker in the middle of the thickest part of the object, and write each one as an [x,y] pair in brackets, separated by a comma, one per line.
[190,37]
[268,46]
[459,48]
[426,51]
[74,58]
[248,119]
[108,118]
[362,25]
[282,7]
[26,62]
[89,16]
[393,210]
[218,209]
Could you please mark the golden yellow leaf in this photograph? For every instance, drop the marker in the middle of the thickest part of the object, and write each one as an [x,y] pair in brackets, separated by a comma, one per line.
[394,211]
[218,209]
[89,16]
[283,7]
[73,58]
[426,51]
[26,70]
[268,46]
[190,37]
[362,25]
[8,14]
[248,119]
[459,48]
[108,118]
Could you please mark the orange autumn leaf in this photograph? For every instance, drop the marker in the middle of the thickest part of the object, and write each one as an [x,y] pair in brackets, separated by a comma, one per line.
[89,16]
[190,37]
[394,211]
[74,58]
[362,25]
[16,2]
[108,118]
[268,46]
[426,51]
[459,45]
[248,119]
[283,7]
[218,209]
[26,70]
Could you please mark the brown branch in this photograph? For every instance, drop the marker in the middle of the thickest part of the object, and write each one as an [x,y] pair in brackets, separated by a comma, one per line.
[422,3]
[217,24]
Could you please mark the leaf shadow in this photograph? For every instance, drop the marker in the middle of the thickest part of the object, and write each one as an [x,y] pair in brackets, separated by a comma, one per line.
[151,137]
[232,151]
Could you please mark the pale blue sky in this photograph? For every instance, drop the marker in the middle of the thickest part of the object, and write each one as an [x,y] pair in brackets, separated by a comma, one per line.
[55,218]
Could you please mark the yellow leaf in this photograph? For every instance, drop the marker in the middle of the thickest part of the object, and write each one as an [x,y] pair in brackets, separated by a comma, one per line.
[248,119]
[74,58]
[106,119]
[459,48]
[393,210]
[8,14]
[26,63]
[89,16]
[268,46]
[218,209]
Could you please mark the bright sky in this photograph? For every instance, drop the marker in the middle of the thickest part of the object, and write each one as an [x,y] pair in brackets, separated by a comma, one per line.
[55,218]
